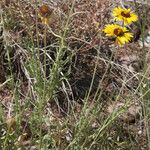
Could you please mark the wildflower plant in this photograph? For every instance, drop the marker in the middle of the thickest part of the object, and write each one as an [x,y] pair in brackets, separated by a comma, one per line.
[121,34]
[45,13]
[124,15]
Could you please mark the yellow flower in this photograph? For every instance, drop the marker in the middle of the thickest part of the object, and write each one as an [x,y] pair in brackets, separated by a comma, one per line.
[121,34]
[125,15]
[44,13]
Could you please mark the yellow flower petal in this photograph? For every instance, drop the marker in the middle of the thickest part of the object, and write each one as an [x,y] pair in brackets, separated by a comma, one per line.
[121,34]
[45,20]
[125,15]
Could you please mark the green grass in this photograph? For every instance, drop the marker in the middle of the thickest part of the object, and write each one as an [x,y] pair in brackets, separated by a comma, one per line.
[38,108]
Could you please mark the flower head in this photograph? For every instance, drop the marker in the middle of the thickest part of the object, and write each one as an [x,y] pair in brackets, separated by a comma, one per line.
[121,34]
[125,15]
[44,13]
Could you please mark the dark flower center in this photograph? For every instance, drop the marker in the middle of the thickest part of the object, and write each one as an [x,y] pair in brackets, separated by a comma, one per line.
[44,10]
[126,15]
[118,32]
